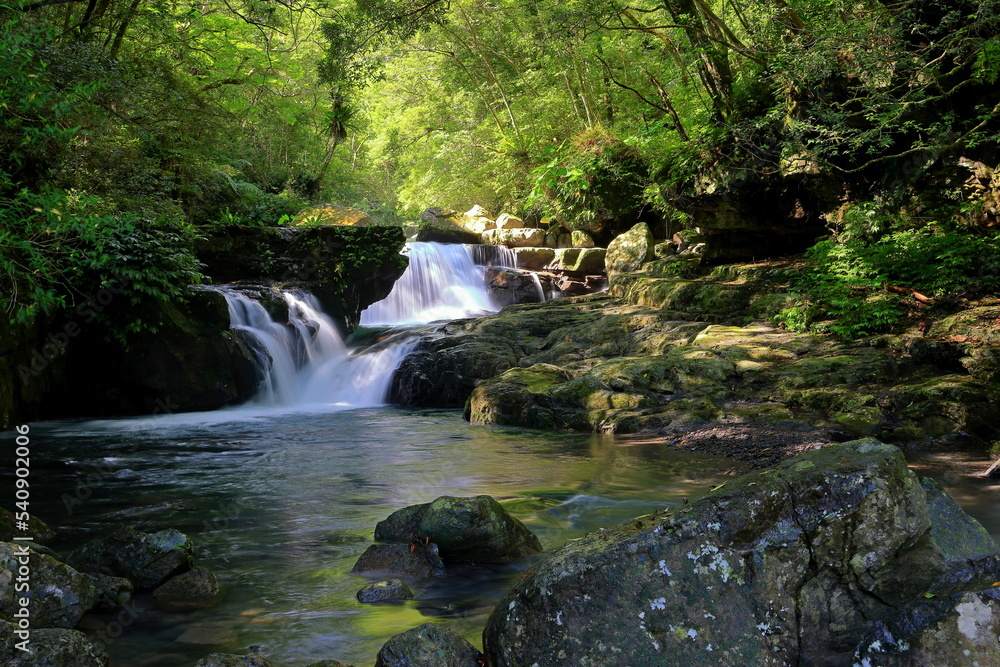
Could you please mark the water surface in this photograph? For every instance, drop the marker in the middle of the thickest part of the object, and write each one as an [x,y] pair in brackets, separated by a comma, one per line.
[280,505]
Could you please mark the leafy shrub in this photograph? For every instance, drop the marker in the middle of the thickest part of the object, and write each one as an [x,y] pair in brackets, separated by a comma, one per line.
[847,277]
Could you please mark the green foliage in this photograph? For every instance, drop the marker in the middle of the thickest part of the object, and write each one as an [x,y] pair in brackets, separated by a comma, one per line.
[60,250]
[595,174]
[847,278]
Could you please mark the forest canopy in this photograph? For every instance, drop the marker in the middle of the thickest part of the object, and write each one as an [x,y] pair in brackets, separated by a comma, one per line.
[130,125]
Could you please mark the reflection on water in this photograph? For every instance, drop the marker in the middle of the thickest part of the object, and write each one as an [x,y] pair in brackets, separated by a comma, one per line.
[281,504]
[959,473]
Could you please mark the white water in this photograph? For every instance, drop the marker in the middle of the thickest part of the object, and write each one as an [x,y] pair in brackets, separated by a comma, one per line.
[441,283]
[304,362]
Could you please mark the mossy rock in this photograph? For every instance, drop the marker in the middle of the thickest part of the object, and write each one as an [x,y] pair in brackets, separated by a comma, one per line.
[146,559]
[58,595]
[51,647]
[476,529]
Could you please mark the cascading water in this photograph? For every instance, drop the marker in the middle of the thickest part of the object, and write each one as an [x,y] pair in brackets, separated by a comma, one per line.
[442,282]
[305,361]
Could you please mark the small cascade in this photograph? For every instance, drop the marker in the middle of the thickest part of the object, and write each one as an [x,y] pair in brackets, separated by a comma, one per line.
[304,361]
[442,282]
[494,255]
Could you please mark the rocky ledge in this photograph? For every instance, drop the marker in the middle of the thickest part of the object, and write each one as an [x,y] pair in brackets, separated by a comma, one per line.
[666,355]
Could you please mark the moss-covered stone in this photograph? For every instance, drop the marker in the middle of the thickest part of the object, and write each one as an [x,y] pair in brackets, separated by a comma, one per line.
[428,644]
[384,591]
[145,559]
[51,647]
[37,528]
[233,660]
[796,561]
[333,214]
[58,595]
[474,529]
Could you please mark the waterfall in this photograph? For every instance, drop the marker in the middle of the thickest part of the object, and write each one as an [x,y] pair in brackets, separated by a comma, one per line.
[304,361]
[442,282]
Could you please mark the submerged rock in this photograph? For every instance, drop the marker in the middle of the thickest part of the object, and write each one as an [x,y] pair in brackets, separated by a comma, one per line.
[797,561]
[428,644]
[195,589]
[146,559]
[410,560]
[51,647]
[382,591]
[474,529]
[59,595]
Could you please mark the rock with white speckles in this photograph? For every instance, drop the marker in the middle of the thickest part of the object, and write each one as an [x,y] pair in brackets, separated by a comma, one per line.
[790,565]
[428,645]
[959,629]
[50,647]
[58,595]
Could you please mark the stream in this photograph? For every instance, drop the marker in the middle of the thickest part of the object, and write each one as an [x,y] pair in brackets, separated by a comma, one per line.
[280,504]
[281,496]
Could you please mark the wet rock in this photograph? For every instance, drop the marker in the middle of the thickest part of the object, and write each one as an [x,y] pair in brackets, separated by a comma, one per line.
[112,592]
[51,647]
[410,560]
[958,629]
[515,238]
[195,589]
[146,559]
[799,561]
[59,595]
[428,644]
[37,528]
[507,286]
[474,529]
[629,251]
[233,660]
[382,591]
[328,663]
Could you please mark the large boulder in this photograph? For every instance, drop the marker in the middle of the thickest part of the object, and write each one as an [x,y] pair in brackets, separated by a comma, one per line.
[629,251]
[50,647]
[474,529]
[145,559]
[58,595]
[515,238]
[797,561]
[428,645]
[508,221]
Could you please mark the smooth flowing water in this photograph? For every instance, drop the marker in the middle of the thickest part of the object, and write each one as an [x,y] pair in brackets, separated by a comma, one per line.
[280,505]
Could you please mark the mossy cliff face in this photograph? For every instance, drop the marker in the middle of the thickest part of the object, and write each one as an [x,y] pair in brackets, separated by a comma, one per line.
[346,268]
[789,565]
